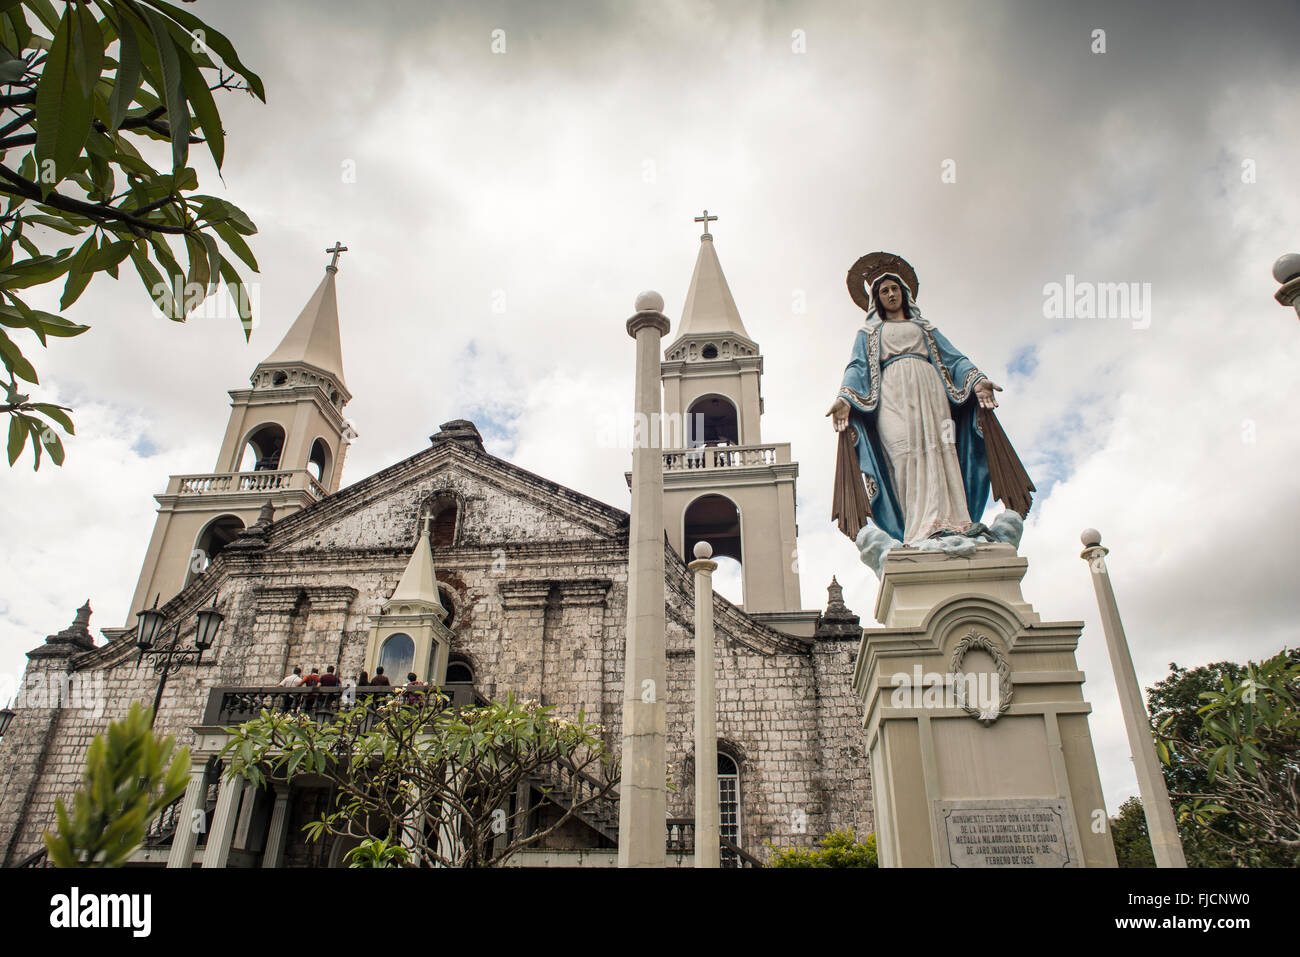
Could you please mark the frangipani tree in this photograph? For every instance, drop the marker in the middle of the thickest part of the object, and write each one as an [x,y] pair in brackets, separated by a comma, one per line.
[437,778]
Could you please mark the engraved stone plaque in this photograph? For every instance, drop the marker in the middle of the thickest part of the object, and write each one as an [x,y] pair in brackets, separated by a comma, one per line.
[1006,833]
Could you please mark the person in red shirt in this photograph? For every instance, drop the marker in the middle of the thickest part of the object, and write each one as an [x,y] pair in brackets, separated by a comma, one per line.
[329,679]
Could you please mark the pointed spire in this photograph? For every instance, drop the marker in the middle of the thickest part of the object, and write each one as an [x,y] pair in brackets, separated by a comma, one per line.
[76,637]
[709,306]
[313,339]
[837,621]
[419,583]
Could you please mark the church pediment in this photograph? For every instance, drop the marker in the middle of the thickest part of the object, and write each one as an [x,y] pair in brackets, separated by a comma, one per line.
[497,502]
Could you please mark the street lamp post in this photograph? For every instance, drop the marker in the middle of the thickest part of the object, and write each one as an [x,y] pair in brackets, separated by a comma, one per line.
[170,660]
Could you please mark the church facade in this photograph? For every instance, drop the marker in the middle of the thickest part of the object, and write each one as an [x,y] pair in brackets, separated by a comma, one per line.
[475,574]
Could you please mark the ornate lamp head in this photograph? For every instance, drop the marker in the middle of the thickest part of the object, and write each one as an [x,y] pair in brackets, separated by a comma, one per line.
[864,273]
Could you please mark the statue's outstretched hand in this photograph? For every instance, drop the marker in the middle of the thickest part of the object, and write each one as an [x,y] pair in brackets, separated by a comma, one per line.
[839,413]
[984,392]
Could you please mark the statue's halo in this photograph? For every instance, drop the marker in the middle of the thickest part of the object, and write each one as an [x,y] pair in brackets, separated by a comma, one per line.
[870,267]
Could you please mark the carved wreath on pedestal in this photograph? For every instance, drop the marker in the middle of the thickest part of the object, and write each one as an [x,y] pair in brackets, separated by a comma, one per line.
[974,639]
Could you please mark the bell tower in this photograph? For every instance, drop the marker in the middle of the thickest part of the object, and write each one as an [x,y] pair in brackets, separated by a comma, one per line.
[722,483]
[284,444]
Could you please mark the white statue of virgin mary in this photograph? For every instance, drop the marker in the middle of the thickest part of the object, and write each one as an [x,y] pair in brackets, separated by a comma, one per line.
[918,415]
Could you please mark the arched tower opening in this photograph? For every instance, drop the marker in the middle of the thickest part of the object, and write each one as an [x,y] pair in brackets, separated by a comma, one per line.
[712,420]
[716,519]
[262,449]
[319,461]
[216,535]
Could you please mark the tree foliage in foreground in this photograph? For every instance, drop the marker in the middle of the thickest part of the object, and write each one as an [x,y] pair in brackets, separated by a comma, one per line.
[80,92]
[839,848]
[1229,737]
[1128,832]
[126,783]
[436,779]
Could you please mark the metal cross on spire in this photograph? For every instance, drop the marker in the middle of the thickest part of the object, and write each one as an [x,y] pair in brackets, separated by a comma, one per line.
[334,263]
[706,219]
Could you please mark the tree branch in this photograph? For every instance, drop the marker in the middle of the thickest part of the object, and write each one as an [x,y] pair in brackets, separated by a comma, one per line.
[95,211]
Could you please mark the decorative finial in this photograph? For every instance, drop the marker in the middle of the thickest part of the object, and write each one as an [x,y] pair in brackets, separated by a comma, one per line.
[706,219]
[1090,537]
[267,515]
[703,550]
[334,263]
[649,301]
[1287,268]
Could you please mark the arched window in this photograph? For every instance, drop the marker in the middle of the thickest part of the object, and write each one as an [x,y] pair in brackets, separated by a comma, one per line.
[397,657]
[319,463]
[216,535]
[459,672]
[262,449]
[444,516]
[715,519]
[729,806]
[448,599]
[711,420]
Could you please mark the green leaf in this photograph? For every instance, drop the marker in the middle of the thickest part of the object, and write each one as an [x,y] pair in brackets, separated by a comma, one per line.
[216,210]
[214,41]
[54,222]
[78,275]
[13,359]
[173,88]
[63,95]
[205,108]
[45,12]
[153,282]
[109,255]
[238,293]
[127,81]
[55,413]
[237,245]
[36,428]
[17,436]
[53,325]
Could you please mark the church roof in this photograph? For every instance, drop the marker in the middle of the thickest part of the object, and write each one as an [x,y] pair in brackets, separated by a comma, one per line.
[313,339]
[710,307]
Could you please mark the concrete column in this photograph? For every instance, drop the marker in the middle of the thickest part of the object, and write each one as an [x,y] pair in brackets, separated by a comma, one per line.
[1166,845]
[707,850]
[642,805]
[279,828]
[217,851]
[186,836]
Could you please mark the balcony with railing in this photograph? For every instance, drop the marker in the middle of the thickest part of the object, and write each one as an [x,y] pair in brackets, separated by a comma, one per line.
[231,706]
[251,483]
[713,457]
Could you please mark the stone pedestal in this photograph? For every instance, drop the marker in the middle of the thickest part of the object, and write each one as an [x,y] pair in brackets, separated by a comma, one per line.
[976,725]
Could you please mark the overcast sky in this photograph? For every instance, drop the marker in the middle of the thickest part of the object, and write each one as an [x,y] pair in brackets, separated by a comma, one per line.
[560,177]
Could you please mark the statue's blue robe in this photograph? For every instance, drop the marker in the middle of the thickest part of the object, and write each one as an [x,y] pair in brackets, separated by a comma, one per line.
[861,388]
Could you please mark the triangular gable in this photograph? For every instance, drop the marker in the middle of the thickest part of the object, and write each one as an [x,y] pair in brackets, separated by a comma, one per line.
[504,503]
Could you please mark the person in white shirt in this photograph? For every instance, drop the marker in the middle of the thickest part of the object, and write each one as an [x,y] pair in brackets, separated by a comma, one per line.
[294,680]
